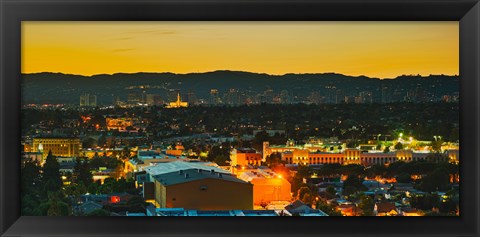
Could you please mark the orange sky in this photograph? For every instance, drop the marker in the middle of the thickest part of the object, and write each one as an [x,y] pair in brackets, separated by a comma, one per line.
[376,49]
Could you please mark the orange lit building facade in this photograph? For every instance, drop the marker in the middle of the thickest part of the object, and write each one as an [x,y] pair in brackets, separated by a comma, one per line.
[245,157]
[355,156]
[268,186]
[119,124]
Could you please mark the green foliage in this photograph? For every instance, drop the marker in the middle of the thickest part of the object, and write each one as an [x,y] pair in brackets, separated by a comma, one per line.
[112,185]
[398,146]
[330,190]
[387,149]
[51,174]
[263,136]
[102,140]
[328,209]
[93,188]
[30,175]
[404,178]
[425,202]
[104,161]
[89,143]
[330,170]
[82,172]
[304,171]
[436,144]
[219,153]
[352,185]
[448,206]
[438,180]
[366,203]
[352,169]
[99,212]
[303,191]
[221,160]
[376,170]
[274,159]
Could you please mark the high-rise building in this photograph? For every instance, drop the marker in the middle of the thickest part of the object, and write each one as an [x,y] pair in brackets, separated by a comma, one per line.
[191,97]
[153,99]
[88,100]
[172,94]
[134,98]
[231,97]
[284,97]
[340,97]
[366,97]
[331,94]
[268,96]
[214,97]
[386,94]
[315,97]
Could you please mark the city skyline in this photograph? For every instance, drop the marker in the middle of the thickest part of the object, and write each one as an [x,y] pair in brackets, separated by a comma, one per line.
[330,138]
[374,49]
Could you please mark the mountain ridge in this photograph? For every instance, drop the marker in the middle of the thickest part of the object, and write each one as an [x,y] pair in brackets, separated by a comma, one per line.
[234,71]
[51,87]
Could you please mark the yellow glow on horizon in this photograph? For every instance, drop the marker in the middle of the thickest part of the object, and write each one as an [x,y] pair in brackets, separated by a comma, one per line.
[376,49]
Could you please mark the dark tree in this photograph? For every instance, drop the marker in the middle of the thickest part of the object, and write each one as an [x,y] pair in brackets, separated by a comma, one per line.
[99,212]
[403,178]
[51,174]
[438,180]
[82,172]
[366,203]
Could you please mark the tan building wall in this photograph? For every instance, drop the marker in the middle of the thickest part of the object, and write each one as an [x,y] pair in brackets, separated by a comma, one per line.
[377,158]
[326,158]
[245,159]
[205,194]
[68,147]
[300,156]
[354,156]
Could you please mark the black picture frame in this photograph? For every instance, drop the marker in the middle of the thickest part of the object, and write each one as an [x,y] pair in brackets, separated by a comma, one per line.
[12,12]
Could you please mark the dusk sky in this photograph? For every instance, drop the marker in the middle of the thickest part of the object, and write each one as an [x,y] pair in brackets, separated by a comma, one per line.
[376,49]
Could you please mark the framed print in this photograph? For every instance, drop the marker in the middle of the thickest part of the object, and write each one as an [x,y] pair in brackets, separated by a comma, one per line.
[239,118]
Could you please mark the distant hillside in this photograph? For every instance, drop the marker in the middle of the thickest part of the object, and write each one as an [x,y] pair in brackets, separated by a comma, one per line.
[64,88]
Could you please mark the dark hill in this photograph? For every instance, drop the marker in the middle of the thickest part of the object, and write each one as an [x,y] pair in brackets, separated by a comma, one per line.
[65,88]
